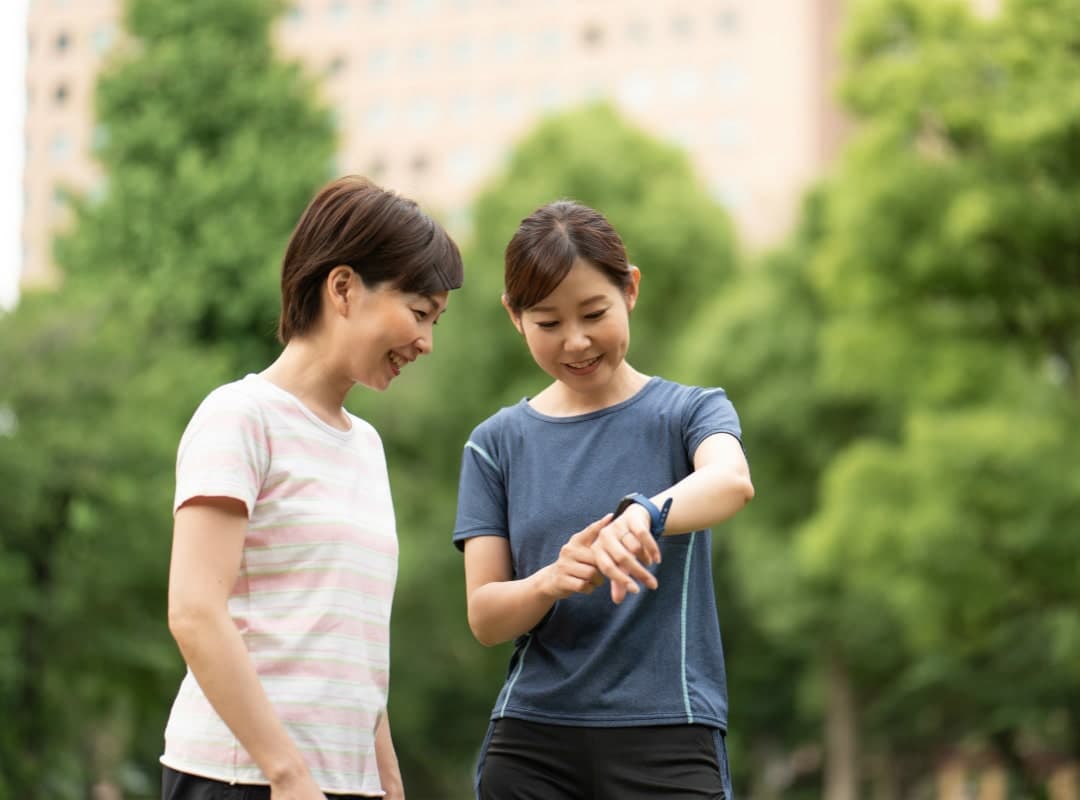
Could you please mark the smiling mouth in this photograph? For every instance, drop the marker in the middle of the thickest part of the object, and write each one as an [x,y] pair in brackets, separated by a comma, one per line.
[397,362]
[583,364]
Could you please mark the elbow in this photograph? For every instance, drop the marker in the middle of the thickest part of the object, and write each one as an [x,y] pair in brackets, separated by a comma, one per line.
[480,634]
[187,620]
[746,490]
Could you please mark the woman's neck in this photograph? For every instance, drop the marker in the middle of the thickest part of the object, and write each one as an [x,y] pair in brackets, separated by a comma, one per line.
[561,400]
[303,371]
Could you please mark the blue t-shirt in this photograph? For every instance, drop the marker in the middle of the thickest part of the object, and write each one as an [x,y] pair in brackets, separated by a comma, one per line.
[535,480]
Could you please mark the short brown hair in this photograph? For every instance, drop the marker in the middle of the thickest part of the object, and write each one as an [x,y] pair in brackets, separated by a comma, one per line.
[382,236]
[549,241]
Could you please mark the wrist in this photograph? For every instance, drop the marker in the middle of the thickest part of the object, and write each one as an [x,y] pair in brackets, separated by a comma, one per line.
[286,771]
[544,584]
[640,513]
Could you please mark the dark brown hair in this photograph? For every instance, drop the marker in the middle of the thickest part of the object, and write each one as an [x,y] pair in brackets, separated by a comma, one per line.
[383,237]
[549,241]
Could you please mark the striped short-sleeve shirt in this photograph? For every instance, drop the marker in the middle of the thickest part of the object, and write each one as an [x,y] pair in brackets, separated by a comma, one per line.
[313,595]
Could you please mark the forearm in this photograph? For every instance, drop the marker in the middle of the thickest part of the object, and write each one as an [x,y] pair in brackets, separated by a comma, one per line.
[705,497]
[215,653]
[503,610]
[386,760]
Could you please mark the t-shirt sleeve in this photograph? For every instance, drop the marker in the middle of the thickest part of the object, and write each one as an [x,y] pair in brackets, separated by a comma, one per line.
[708,412]
[481,508]
[223,452]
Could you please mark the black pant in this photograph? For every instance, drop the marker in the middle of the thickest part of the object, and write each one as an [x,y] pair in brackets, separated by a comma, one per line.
[531,761]
[181,786]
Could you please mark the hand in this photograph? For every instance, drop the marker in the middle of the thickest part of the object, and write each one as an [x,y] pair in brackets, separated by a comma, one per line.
[623,550]
[575,570]
[296,787]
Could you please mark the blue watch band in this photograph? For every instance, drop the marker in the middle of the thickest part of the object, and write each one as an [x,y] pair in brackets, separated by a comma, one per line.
[657,516]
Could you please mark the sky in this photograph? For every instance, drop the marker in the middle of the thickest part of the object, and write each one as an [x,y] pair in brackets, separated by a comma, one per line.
[12,114]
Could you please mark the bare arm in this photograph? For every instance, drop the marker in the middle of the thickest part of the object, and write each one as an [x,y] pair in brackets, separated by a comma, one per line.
[717,488]
[501,609]
[208,541]
[386,759]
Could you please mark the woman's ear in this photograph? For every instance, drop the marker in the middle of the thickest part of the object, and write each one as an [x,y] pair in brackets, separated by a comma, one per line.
[339,283]
[515,317]
[632,289]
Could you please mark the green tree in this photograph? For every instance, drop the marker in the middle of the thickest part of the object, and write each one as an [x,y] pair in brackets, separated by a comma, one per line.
[933,322]
[210,146]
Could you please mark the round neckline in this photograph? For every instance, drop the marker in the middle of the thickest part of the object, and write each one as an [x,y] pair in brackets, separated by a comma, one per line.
[524,403]
[307,412]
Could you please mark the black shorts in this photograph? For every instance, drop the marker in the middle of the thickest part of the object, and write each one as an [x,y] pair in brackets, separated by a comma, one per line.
[181,786]
[531,761]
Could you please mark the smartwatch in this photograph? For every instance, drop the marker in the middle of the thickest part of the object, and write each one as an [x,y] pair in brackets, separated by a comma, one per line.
[657,516]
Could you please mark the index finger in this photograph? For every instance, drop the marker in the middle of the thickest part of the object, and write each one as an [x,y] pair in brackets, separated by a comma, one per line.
[588,534]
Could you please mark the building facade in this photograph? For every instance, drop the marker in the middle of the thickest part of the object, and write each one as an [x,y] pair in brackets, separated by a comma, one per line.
[430,95]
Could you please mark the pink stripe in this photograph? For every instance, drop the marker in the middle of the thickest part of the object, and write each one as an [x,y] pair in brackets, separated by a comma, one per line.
[297,625]
[375,540]
[322,451]
[310,668]
[223,755]
[328,715]
[301,580]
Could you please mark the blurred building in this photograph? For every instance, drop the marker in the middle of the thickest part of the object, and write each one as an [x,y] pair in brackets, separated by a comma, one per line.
[430,94]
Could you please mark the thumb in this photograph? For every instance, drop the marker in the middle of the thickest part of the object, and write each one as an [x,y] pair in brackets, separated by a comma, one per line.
[589,534]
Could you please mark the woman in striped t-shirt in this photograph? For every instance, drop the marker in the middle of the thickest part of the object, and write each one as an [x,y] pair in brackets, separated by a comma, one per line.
[284,545]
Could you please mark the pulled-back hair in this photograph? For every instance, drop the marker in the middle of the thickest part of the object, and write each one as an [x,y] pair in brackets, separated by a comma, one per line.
[549,241]
[383,237]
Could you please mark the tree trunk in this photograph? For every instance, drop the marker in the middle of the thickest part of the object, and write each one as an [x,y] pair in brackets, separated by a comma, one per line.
[841,732]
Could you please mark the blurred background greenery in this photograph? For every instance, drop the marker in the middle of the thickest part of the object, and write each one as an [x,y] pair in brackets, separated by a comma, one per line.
[902,599]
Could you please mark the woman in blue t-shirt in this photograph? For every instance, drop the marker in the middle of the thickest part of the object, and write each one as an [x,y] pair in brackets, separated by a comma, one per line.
[616,694]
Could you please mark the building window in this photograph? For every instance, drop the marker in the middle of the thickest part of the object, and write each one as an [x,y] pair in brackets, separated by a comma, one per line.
[103,38]
[637,90]
[423,6]
[731,80]
[377,168]
[637,31]
[422,56]
[422,114]
[63,42]
[463,164]
[731,195]
[727,20]
[377,117]
[60,147]
[592,35]
[339,10]
[506,104]
[550,97]
[685,84]
[99,139]
[295,14]
[682,26]
[550,41]
[378,61]
[464,108]
[60,94]
[337,65]
[380,7]
[505,47]
[463,50]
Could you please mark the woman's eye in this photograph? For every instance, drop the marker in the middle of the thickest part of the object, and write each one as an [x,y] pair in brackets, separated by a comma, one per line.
[420,315]
[547,324]
[596,314]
